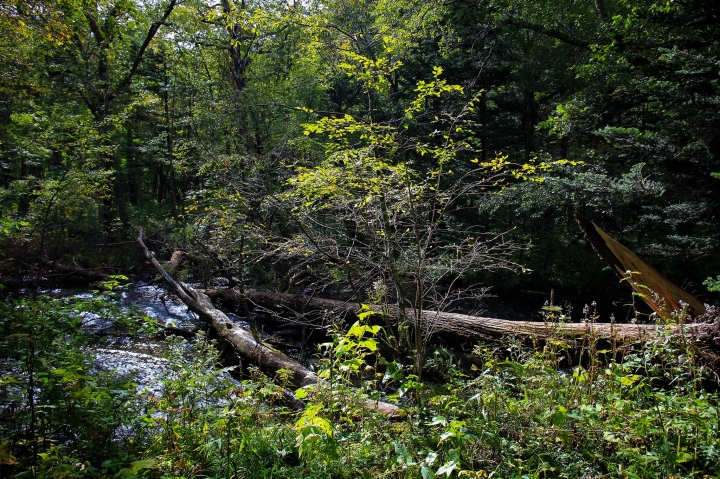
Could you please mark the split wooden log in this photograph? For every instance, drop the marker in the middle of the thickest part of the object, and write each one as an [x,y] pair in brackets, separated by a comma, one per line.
[454,327]
[661,294]
[177,259]
[240,340]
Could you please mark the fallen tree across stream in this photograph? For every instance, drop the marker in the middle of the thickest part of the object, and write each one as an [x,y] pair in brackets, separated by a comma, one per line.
[314,311]
[240,340]
[454,327]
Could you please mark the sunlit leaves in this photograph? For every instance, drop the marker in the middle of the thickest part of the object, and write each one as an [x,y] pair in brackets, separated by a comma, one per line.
[355,175]
[425,91]
[312,428]
[372,73]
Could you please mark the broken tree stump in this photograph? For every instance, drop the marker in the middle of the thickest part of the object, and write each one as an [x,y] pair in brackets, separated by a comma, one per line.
[662,295]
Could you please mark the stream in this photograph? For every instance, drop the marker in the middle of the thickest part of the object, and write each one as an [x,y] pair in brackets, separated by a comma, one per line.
[143,357]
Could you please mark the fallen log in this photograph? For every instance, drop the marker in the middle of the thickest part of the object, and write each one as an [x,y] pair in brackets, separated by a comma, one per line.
[240,340]
[88,274]
[453,326]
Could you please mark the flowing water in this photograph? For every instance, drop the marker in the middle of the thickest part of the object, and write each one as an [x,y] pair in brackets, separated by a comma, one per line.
[141,358]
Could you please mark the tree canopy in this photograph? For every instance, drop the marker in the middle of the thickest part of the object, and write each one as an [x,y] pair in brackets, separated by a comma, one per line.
[268,137]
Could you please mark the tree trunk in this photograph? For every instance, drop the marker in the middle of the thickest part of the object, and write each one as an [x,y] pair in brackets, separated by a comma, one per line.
[453,326]
[242,341]
[89,274]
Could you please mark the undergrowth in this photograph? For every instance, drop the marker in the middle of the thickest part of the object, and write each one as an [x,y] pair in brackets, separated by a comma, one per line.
[61,416]
[647,412]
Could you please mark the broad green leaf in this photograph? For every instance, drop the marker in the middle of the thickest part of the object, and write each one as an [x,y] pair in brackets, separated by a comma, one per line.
[447,469]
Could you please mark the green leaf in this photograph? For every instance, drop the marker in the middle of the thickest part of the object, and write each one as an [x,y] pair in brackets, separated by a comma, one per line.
[322,424]
[403,457]
[369,344]
[426,472]
[559,416]
[356,330]
[447,469]
[137,466]
[629,380]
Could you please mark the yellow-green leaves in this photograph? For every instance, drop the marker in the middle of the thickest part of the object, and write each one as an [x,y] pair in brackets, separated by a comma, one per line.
[374,74]
[628,380]
[530,171]
[365,312]
[341,131]
[434,88]
[355,176]
[312,428]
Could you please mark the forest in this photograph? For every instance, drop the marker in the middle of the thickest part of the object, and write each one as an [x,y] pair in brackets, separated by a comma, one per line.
[366,225]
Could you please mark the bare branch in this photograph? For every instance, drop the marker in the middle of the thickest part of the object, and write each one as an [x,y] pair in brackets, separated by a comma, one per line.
[154,27]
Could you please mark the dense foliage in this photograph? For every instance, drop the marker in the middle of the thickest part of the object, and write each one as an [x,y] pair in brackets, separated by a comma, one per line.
[205,121]
[396,152]
[521,412]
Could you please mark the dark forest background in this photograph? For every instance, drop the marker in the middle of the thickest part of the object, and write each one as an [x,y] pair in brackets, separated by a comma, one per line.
[227,129]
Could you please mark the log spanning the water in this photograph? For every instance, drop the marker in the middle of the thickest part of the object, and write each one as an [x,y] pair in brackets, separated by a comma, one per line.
[453,326]
[88,274]
[242,341]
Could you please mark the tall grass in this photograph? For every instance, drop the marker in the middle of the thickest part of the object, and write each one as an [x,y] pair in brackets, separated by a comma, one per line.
[648,412]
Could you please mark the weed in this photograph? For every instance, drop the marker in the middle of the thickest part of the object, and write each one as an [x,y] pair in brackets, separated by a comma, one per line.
[57,412]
